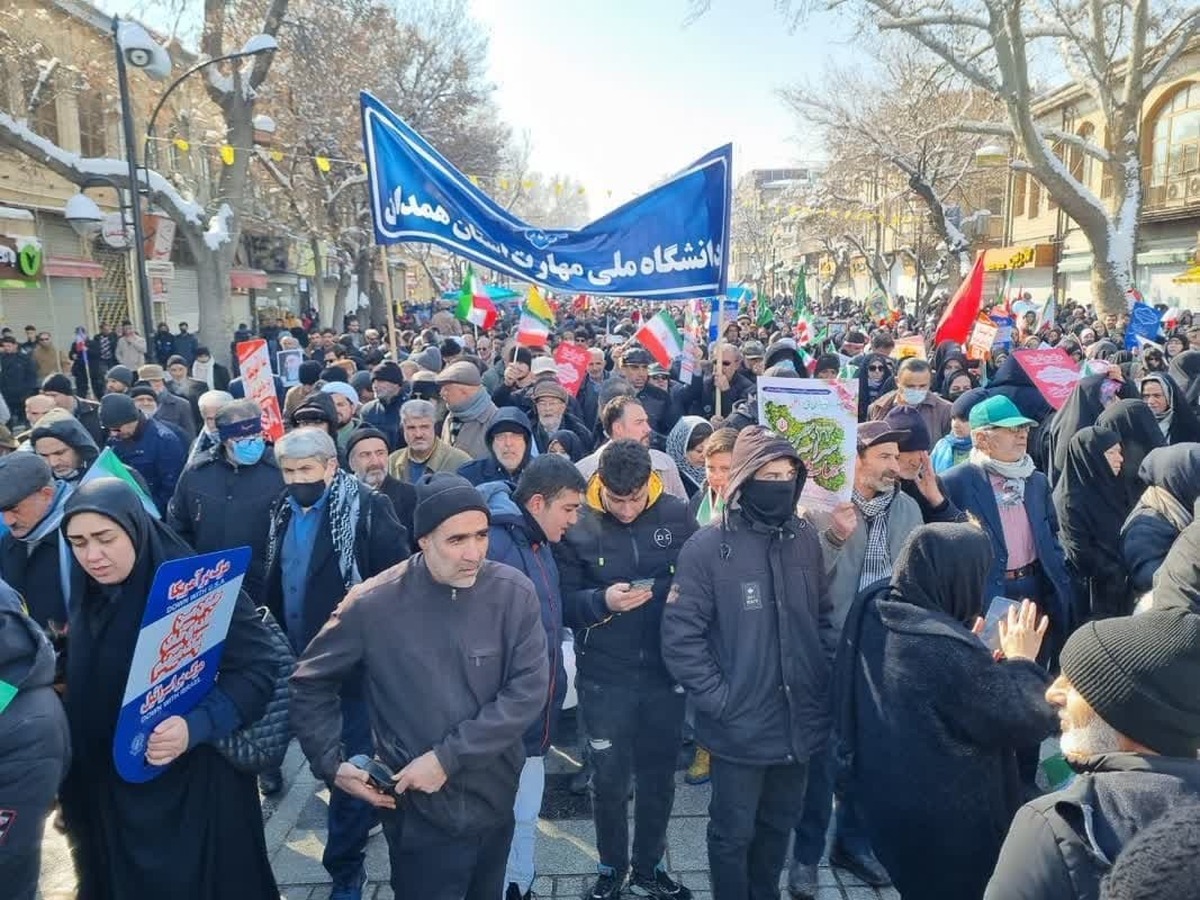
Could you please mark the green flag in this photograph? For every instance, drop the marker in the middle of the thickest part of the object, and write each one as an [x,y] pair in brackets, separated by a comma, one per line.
[765,317]
[801,293]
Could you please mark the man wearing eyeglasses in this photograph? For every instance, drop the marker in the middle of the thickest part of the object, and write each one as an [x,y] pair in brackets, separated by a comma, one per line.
[728,377]
[913,381]
[1000,487]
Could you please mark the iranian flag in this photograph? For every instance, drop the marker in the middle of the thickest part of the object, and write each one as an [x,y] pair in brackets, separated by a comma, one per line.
[474,305]
[660,336]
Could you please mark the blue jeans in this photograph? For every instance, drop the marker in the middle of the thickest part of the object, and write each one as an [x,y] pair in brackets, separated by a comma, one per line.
[634,729]
[750,817]
[525,811]
[350,819]
[849,832]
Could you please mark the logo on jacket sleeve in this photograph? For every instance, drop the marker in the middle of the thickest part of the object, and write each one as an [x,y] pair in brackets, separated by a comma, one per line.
[7,818]
[663,537]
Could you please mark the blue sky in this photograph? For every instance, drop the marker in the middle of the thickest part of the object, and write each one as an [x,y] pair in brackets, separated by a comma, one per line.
[621,93]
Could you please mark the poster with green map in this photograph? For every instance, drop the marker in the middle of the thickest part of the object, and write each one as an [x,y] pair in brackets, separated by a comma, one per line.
[820,418]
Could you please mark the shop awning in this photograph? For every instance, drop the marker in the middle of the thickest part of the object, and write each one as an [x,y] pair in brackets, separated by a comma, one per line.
[1190,276]
[72,267]
[247,279]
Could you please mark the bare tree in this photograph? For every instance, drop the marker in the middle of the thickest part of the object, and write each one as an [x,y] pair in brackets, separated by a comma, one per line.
[207,215]
[895,118]
[1115,50]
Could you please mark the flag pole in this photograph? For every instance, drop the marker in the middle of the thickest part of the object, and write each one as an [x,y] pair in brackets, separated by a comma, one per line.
[391,303]
[717,355]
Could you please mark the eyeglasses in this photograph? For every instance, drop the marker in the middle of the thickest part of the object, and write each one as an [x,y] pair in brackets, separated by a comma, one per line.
[876,368]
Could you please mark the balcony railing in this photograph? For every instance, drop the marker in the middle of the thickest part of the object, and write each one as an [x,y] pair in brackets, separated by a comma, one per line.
[1167,192]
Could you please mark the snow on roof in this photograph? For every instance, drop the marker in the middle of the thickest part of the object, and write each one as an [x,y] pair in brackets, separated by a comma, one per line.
[16,215]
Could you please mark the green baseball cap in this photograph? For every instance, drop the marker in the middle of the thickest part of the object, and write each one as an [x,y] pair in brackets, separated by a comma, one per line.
[997,412]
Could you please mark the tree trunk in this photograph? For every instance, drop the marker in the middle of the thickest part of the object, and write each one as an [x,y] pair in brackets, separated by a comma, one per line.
[318,279]
[216,303]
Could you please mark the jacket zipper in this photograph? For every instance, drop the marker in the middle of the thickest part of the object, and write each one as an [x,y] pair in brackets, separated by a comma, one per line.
[554,652]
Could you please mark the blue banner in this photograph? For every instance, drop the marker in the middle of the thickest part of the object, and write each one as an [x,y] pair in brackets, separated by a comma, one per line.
[1144,321]
[729,314]
[668,244]
[178,651]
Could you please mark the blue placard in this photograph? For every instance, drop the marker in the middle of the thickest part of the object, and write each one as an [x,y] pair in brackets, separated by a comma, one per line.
[729,314]
[668,244]
[178,650]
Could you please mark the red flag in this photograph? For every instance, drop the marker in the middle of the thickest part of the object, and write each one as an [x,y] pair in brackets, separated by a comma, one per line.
[963,308]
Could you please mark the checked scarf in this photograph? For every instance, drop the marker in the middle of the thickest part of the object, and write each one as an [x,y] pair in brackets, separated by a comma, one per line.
[876,561]
[343,505]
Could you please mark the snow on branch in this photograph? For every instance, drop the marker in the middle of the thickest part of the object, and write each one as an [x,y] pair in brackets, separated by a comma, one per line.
[219,227]
[1174,45]
[999,129]
[958,21]
[83,171]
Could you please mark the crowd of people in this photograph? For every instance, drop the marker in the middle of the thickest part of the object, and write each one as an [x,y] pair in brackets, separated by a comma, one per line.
[446,536]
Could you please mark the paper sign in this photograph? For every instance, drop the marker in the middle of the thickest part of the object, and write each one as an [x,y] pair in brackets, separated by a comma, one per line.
[1004,333]
[820,418]
[1053,371]
[255,365]
[178,650]
[288,363]
[911,345]
[983,335]
[572,361]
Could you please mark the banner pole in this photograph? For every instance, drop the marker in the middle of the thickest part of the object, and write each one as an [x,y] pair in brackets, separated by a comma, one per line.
[717,355]
[391,304]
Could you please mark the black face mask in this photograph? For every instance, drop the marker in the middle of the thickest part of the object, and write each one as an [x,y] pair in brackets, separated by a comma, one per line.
[769,502]
[306,493]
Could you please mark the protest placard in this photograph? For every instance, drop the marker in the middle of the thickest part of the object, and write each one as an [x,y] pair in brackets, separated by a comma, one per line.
[178,650]
[254,362]
[820,418]
[572,362]
[1052,371]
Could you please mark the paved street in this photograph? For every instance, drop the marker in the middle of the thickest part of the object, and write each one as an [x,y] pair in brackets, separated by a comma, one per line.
[566,860]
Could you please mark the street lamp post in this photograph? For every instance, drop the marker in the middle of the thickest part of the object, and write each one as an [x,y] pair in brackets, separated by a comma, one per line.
[139,238]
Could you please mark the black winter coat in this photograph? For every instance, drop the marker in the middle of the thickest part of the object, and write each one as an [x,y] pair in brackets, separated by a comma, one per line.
[379,543]
[939,792]
[1061,845]
[219,506]
[748,631]
[1146,538]
[598,552]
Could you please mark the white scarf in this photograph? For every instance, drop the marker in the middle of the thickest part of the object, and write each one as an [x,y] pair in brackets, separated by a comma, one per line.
[1012,492]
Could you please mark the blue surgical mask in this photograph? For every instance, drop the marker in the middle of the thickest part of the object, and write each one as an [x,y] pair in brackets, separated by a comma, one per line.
[248,451]
[912,396]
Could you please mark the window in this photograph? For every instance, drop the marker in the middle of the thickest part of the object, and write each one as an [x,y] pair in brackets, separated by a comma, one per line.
[44,118]
[1059,150]
[92,125]
[1174,176]
[1020,185]
[1035,197]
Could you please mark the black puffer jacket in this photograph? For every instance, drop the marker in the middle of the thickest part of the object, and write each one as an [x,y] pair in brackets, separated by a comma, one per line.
[598,552]
[1061,845]
[219,506]
[748,630]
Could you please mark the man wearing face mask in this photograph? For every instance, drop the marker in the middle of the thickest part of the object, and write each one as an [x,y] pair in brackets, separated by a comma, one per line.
[383,413]
[749,602]
[209,404]
[913,380]
[328,532]
[65,445]
[223,499]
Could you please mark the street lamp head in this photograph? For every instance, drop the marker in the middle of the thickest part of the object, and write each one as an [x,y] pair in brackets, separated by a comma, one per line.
[141,51]
[83,215]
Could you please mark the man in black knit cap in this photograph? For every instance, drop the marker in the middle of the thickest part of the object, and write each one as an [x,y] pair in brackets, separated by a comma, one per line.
[454,741]
[1129,701]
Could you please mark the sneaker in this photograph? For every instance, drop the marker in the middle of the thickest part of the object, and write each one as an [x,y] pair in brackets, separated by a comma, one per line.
[700,769]
[270,783]
[607,887]
[802,881]
[352,890]
[659,886]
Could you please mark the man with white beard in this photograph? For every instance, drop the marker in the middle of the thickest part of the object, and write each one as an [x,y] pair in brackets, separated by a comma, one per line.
[1129,703]
[367,455]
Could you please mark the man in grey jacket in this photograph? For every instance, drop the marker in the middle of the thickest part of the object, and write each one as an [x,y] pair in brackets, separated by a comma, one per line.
[454,740]
[859,541]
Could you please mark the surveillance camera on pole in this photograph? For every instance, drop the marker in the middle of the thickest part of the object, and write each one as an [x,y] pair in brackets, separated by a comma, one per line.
[142,52]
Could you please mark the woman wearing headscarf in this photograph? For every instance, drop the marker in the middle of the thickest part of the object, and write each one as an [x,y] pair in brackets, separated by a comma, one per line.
[940,792]
[1165,508]
[567,442]
[874,380]
[194,832]
[1092,505]
[1176,418]
[1082,408]
[954,361]
[685,445]
[1185,369]
[956,384]
[1133,420]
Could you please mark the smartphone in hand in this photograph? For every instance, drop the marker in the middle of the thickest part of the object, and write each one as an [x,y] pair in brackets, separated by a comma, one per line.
[997,610]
